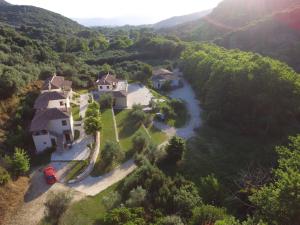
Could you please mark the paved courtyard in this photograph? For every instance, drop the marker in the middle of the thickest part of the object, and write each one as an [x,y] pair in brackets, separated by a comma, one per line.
[79,150]
[138,94]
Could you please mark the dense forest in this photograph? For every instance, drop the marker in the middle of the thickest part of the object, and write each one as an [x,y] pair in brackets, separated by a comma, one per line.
[243,165]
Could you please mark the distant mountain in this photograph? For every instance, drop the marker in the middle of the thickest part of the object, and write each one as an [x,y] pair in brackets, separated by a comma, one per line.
[277,35]
[228,16]
[177,20]
[2,2]
[16,15]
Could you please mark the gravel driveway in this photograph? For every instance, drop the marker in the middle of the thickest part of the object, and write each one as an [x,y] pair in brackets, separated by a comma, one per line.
[94,185]
[187,94]
[32,210]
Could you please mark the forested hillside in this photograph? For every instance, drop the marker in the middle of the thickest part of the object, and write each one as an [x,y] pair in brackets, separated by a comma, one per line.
[228,16]
[277,36]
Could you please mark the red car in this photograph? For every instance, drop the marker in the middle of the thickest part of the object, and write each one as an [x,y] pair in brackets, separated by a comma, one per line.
[50,175]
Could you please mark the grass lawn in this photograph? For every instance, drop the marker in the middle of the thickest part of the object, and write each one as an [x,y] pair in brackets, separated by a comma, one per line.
[77,168]
[89,210]
[75,112]
[82,91]
[107,134]
[127,132]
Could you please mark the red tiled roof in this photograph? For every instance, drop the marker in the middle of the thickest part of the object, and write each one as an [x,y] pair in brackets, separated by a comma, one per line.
[107,79]
[56,82]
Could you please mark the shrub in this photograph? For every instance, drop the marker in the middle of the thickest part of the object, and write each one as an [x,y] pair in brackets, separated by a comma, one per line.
[137,197]
[4,176]
[207,214]
[20,162]
[170,220]
[175,149]
[106,101]
[140,141]
[56,204]
[111,152]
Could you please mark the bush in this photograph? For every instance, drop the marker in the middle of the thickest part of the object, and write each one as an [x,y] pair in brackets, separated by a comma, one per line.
[106,101]
[56,205]
[111,152]
[175,149]
[4,176]
[207,214]
[140,141]
[170,220]
[137,197]
[20,162]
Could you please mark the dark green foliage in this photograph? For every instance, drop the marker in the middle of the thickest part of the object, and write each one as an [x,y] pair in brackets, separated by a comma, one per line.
[170,220]
[92,121]
[238,88]
[211,190]
[207,214]
[111,152]
[175,150]
[20,162]
[140,141]
[139,117]
[177,196]
[4,176]
[106,101]
[121,216]
[279,202]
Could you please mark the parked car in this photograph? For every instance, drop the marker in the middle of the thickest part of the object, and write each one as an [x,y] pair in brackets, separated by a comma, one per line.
[50,175]
[160,116]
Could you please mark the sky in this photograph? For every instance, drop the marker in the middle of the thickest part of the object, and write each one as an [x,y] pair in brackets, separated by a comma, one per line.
[137,11]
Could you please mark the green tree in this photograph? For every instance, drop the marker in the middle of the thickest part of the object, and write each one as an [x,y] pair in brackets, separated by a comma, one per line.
[111,152]
[137,197]
[4,176]
[210,190]
[175,149]
[170,220]
[92,125]
[279,202]
[207,214]
[20,162]
[106,101]
[140,141]
[123,215]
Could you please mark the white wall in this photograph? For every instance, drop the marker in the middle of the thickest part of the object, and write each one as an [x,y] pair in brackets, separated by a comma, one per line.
[105,87]
[57,127]
[42,142]
[57,90]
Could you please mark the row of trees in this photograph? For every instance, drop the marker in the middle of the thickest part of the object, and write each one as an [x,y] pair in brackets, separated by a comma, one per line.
[254,93]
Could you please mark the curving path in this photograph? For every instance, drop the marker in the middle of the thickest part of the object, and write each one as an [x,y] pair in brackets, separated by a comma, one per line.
[94,185]
[187,94]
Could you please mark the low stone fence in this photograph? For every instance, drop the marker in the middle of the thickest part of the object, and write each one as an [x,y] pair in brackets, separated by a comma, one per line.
[92,162]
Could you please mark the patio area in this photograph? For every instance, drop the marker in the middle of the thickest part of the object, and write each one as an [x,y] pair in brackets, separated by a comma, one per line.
[78,151]
[138,94]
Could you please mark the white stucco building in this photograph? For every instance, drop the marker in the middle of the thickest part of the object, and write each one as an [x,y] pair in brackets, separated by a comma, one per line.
[52,125]
[118,88]
[162,77]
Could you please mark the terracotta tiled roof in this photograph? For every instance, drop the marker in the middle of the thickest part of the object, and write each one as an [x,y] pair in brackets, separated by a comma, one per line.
[107,79]
[162,72]
[43,100]
[43,117]
[56,82]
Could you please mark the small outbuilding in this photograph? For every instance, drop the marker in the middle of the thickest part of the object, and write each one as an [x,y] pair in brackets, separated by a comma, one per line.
[164,77]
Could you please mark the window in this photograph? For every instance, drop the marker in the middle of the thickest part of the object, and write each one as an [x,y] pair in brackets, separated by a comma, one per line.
[64,122]
[61,103]
[45,143]
[107,87]
[101,87]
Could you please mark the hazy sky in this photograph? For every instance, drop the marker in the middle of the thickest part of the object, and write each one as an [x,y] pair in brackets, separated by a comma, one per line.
[147,10]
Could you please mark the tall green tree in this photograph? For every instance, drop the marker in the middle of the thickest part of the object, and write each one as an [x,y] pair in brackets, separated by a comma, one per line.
[279,202]
[20,162]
